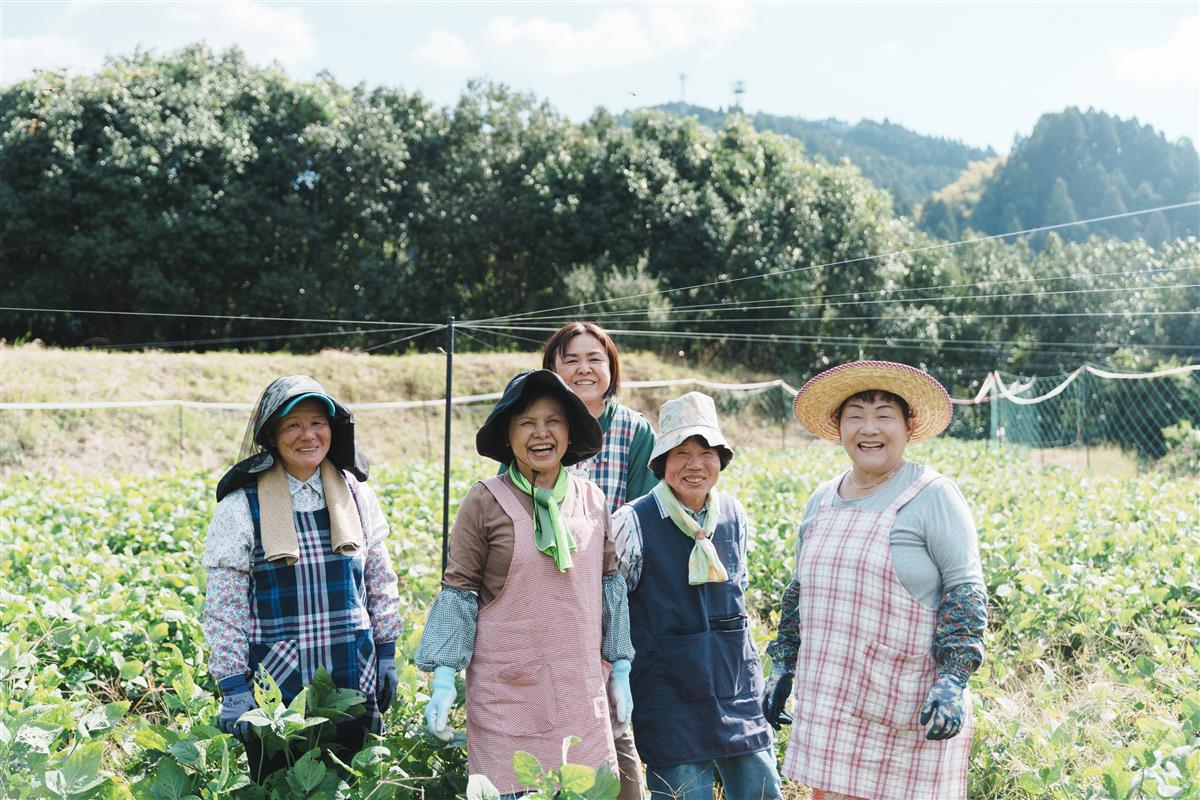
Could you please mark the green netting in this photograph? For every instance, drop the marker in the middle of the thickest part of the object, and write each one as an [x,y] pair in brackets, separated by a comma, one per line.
[1129,413]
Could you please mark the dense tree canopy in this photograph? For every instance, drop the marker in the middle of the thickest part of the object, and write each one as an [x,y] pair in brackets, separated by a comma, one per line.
[195,183]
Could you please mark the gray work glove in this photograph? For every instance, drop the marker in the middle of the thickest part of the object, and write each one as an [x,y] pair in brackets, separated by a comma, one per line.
[386,679]
[236,699]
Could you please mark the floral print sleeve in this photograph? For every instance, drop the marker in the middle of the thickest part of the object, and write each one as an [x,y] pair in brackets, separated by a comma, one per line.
[383,597]
[227,621]
[958,638]
[784,649]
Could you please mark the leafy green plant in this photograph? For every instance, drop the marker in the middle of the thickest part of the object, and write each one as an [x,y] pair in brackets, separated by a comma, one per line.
[566,782]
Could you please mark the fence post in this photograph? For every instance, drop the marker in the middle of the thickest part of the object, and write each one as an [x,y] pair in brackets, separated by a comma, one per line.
[446,469]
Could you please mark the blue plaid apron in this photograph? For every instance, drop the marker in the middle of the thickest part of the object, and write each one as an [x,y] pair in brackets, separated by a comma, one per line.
[609,469]
[312,614]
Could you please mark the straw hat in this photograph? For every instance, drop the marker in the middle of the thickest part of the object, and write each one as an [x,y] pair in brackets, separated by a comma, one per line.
[818,400]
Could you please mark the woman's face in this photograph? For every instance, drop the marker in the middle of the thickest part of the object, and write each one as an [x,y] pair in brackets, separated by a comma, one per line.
[691,471]
[874,433]
[303,437]
[584,366]
[538,437]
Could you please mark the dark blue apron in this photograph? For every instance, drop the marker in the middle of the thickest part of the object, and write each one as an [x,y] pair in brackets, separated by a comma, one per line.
[696,678]
[310,614]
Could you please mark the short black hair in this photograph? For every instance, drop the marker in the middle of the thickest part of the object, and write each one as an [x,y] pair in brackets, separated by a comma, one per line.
[874,396]
[658,466]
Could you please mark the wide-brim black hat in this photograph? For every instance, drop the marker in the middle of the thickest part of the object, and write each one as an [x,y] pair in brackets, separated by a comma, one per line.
[258,453]
[585,435]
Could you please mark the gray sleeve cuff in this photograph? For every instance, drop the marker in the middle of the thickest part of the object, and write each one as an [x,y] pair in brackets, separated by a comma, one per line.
[616,643]
[449,637]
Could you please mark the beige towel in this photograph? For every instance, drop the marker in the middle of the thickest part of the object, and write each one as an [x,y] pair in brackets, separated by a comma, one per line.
[278,525]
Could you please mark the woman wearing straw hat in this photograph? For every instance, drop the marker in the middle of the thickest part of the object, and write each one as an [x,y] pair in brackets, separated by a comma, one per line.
[883,621]
[532,605]
[299,575]
[696,680]
[585,357]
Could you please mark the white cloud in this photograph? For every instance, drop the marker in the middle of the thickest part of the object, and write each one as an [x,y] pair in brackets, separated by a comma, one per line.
[616,38]
[87,30]
[1177,62]
[444,50]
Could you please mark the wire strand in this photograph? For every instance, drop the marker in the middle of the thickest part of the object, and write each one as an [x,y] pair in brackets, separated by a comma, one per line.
[17,309]
[431,329]
[860,259]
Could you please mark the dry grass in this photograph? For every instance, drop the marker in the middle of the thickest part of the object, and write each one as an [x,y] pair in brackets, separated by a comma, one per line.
[1104,460]
[154,439]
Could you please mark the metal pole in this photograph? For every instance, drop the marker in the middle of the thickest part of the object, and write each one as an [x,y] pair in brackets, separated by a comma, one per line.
[446,471]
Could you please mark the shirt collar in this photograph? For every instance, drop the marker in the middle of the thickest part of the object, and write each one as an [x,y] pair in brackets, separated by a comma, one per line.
[696,515]
[313,483]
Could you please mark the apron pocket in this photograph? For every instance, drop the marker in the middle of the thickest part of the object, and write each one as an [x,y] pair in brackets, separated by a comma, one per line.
[282,660]
[519,700]
[892,686]
[735,663]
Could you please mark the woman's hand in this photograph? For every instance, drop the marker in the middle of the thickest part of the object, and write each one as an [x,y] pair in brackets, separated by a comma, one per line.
[618,683]
[437,711]
[386,677]
[775,697]
[236,699]
[943,709]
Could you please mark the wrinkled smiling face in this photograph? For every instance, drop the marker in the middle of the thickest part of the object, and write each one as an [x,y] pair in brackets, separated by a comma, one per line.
[584,366]
[874,434]
[303,437]
[538,436]
[691,471]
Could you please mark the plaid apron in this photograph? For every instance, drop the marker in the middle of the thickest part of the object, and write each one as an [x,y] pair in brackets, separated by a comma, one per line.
[609,469]
[865,666]
[312,614]
[536,675]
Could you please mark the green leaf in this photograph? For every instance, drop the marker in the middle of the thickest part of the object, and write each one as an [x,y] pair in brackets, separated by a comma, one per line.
[266,691]
[170,781]
[299,702]
[577,777]
[81,769]
[158,631]
[131,669]
[527,767]
[606,787]
[155,737]
[186,752]
[309,771]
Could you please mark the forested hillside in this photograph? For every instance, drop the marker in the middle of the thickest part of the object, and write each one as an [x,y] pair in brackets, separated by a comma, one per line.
[1086,164]
[196,183]
[907,164]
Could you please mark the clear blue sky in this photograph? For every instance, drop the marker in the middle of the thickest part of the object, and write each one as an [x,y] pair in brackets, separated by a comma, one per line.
[979,72]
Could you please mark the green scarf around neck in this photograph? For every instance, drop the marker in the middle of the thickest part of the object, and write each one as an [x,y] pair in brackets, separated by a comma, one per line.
[704,565]
[550,532]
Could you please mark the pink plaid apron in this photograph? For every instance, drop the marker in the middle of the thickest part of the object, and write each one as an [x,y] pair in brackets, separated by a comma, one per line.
[865,666]
[537,675]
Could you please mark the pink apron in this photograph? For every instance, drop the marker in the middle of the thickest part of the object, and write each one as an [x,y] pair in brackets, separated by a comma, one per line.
[865,667]
[537,675]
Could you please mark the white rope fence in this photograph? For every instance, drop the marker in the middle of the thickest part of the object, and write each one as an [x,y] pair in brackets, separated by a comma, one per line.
[993,386]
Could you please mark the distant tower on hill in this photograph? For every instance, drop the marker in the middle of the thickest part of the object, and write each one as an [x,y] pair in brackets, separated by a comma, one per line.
[739,89]
[682,85]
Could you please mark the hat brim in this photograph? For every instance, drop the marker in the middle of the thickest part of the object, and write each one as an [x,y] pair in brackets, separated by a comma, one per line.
[286,408]
[585,435]
[818,400]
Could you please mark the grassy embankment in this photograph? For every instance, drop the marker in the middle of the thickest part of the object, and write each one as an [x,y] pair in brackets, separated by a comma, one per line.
[147,440]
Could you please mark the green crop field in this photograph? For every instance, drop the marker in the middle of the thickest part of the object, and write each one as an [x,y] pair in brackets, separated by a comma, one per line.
[1091,688]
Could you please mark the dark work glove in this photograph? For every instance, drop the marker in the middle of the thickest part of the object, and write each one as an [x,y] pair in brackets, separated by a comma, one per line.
[386,679]
[943,709]
[775,697]
[236,699]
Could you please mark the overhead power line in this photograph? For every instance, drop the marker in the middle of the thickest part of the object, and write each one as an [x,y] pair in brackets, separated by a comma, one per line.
[857,260]
[216,316]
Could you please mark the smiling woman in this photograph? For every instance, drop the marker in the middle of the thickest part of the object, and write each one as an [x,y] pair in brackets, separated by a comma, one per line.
[887,563]
[529,556]
[299,576]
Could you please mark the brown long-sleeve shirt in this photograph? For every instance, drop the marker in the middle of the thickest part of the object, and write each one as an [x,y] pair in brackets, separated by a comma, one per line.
[481,541]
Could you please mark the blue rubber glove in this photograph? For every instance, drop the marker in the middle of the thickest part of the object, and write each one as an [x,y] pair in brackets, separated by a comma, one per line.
[775,697]
[236,699]
[618,684]
[386,678]
[437,711]
[943,709]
